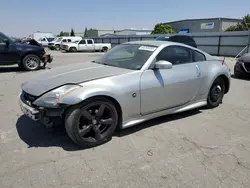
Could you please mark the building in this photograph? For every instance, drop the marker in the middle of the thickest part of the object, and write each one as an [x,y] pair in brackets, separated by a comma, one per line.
[203,25]
[99,32]
[133,32]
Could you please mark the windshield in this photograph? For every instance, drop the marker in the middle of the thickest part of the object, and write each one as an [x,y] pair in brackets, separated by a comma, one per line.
[3,36]
[59,39]
[128,56]
[163,38]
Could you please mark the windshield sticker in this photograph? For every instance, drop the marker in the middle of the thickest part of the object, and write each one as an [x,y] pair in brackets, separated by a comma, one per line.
[147,48]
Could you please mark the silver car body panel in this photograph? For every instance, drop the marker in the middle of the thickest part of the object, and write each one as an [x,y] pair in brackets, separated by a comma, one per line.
[142,94]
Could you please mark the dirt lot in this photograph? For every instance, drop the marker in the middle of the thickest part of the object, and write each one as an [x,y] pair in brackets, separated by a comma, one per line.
[201,148]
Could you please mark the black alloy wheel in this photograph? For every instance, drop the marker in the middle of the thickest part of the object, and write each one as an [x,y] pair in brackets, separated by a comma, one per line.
[216,93]
[93,123]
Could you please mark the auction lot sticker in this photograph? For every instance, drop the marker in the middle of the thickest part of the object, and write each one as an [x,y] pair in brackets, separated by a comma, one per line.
[147,48]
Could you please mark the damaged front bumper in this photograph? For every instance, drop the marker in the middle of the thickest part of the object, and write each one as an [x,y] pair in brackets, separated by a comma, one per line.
[49,117]
[47,58]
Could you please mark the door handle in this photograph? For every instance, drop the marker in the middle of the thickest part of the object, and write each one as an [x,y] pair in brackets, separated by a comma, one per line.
[198,71]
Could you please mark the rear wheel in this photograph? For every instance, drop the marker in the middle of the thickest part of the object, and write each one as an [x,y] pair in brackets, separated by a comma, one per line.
[31,62]
[216,93]
[105,49]
[92,123]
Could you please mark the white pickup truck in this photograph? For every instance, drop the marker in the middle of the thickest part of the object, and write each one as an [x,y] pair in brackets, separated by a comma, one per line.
[86,45]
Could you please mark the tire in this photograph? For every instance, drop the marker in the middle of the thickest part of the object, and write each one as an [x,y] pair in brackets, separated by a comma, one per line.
[73,49]
[104,49]
[90,132]
[31,62]
[57,47]
[216,93]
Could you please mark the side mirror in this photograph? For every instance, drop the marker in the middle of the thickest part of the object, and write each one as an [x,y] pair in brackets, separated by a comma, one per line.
[163,65]
[7,42]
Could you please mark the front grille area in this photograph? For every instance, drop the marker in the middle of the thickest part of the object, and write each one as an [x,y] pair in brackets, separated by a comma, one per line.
[247,66]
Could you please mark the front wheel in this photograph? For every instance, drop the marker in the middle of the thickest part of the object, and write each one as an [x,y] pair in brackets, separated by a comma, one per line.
[57,47]
[31,62]
[216,93]
[73,49]
[91,123]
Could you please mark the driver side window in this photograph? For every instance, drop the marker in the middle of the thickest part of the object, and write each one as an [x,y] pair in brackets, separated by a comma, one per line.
[175,55]
[82,42]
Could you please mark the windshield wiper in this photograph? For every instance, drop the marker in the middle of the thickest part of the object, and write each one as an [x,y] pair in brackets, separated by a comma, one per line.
[98,62]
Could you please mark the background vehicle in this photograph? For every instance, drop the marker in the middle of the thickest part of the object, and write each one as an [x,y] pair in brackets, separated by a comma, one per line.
[38,35]
[185,39]
[27,56]
[43,37]
[242,66]
[132,83]
[44,41]
[86,45]
[57,43]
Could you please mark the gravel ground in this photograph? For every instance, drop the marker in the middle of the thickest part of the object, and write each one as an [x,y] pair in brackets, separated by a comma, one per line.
[200,148]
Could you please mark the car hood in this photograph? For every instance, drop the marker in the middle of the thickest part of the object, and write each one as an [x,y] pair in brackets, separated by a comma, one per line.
[70,74]
[28,46]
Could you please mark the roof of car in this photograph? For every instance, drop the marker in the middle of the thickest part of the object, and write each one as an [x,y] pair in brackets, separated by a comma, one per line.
[150,42]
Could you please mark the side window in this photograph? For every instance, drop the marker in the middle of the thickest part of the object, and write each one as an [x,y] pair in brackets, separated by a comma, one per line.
[64,40]
[69,40]
[197,56]
[82,42]
[89,41]
[1,40]
[175,55]
[43,39]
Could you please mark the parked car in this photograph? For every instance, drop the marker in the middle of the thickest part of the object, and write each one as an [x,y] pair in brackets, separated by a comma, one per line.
[56,44]
[86,45]
[242,66]
[44,41]
[29,55]
[133,82]
[185,39]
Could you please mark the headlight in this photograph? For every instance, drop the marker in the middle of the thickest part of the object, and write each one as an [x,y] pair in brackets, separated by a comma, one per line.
[52,98]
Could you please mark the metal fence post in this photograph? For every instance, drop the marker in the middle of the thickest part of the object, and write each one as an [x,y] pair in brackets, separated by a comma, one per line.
[248,43]
[218,52]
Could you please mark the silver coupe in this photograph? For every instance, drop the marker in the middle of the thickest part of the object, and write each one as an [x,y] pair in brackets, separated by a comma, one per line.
[131,83]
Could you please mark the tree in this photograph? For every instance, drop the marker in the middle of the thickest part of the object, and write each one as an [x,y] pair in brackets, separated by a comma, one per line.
[86,32]
[72,32]
[163,29]
[60,35]
[242,26]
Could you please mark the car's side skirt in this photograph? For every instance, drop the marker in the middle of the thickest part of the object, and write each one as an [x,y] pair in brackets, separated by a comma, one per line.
[141,119]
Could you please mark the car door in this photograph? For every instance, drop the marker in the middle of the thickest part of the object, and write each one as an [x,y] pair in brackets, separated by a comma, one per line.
[90,45]
[82,46]
[163,89]
[8,53]
[44,42]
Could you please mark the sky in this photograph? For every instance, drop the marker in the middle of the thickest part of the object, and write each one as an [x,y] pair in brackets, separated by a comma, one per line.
[23,17]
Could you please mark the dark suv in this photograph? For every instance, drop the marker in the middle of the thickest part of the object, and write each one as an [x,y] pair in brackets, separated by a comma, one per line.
[185,39]
[26,56]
